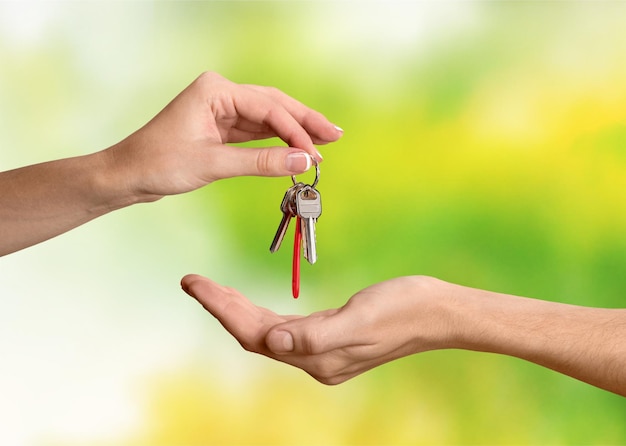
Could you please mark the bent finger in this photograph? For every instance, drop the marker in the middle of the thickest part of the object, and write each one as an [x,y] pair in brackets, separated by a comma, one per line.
[318,127]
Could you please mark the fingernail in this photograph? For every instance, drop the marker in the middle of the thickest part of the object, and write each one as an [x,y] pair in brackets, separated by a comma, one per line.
[280,342]
[339,128]
[298,162]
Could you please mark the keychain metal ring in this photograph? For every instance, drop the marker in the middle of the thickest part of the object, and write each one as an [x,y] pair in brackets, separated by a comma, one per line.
[317,173]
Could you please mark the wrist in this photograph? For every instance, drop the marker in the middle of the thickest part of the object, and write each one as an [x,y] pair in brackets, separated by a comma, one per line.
[122,174]
[112,181]
[433,314]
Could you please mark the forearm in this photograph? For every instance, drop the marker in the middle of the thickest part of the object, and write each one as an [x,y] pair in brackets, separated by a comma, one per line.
[588,344]
[41,201]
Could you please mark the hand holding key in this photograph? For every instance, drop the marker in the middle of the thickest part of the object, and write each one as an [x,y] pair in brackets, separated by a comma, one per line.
[184,147]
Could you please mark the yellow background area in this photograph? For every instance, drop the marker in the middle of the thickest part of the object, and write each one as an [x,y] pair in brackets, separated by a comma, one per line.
[485,144]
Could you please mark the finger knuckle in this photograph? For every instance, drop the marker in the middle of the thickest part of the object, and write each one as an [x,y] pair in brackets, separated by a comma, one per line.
[264,161]
[247,346]
[312,343]
[209,77]
[274,91]
[326,373]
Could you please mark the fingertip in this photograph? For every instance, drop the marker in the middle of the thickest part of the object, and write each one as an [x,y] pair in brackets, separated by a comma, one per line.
[199,287]
[337,133]
[187,280]
[298,162]
[318,156]
[280,341]
[330,133]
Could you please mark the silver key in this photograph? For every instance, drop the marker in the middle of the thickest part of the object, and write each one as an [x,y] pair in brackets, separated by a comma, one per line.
[309,209]
[288,208]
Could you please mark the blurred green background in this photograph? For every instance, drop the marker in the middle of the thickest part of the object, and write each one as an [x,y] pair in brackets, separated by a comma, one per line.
[485,144]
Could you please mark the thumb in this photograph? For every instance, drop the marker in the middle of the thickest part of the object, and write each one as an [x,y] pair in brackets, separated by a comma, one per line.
[280,341]
[312,335]
[261,161]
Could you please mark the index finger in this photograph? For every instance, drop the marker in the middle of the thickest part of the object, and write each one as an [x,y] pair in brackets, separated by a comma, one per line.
[257,107]
[317,126]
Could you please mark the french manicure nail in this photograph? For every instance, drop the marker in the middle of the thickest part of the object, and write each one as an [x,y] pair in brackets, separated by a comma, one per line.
[298,162]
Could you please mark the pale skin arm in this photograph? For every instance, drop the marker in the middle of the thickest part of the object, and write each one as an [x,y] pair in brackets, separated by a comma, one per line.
[179,150]
[409,315]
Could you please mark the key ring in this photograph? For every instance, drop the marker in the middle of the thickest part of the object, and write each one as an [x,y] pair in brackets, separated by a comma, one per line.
[317,174]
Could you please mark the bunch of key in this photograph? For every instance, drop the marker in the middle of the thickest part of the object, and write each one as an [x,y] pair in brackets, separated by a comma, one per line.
[304,202]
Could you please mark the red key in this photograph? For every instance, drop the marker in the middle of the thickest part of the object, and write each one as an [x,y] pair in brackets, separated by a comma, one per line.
[295,271]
